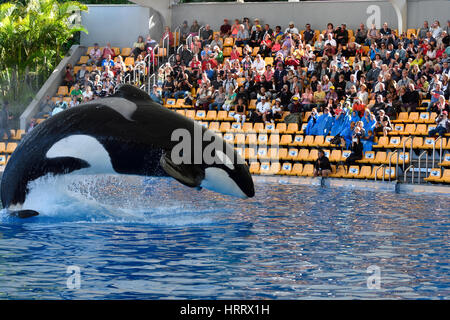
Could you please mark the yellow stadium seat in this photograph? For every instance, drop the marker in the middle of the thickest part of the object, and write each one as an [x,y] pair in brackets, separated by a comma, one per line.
[250,153]
[303,155]
[402,117]
[446,160]
[397,129]
[224,126]
[313,155]
[410,128]
[211,115]
[394,142]
[298,141]
[286,168]
[327,141]
[383,142]
[222,115]
[292,128]
[292,154]
[126,52]
[445,176]
[236,127]
[254,168]
[339,172]
[2,147]
[434,176]
[228,137]
[251,139]
[345,155]
[2,160]
[421,129]
[262,154]
[365,172]
[286,140]
[387,172]
[83,60]
[239,139]
[297,170]
[380,157]
[308,170]
[247,127]
[182,112]
[263,139]
[413,117]
[129,61]
[281,128]
[318,141]
[270,127]
[228,42]
[274,139]
[10,147]
[63,90]
[368,157]
[424,117]
[268,60]
[278,153]
[417,142]
[309,141]
[258,127]
[335,156]
[214,126]
[226,51]
[353,172]
[190,114]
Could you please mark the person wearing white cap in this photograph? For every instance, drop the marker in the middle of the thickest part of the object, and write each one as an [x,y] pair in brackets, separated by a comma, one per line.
[263,108]
[291,28]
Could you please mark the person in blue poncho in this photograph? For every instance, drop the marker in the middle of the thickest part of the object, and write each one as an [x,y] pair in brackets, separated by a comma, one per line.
[367,141]
[338,123]
[323,123]
[369,121]
[311,122]
[355,117]
[347,134]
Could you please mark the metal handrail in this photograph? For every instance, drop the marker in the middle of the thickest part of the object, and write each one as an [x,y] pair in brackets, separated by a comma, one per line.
[155,52]
[163,44]
[149,82]
[189,40]
[390,158]
[426,163]
[410,149]
[412,176]
[434,149]
[177,37]
[376,171]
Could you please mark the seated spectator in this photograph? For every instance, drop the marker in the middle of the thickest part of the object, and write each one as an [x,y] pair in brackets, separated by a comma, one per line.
[331,41]
[295,106]
[108,62]
[107,73]
[373,35]
[69,78]
[195,27]
[219,99]
[168,87]
[361,34]
[217,42]
[358,107]
[263,109]
[357,151]
[169,39]
[95,55]
[240,111]
[342,34]
[184,31]
[319,97]
[150,44]
[383,123]
[256,37]
[308,34]
[87,93]
[235,28]
[60,105]
[76,92]
[322,165]
[277,110]
[442,125]
[74,102]
[81,73]
[230,96]
[225,29]
[410,99]
[206,35]
[108,51]
[138,47]
[435,95]
[291,28]
[155,95]
[45,108]
[242,37]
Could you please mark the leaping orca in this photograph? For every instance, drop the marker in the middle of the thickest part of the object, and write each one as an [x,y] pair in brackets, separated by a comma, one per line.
[127,133]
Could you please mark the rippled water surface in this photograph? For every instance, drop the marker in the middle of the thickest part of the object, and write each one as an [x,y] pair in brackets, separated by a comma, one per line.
[156,239]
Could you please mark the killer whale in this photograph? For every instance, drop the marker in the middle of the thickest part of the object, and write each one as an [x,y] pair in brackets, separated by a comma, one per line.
[127,133]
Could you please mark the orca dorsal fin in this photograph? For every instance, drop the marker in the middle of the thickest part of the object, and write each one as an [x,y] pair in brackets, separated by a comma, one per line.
[129,92]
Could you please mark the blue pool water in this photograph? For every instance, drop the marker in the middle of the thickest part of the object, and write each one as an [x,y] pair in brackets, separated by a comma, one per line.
[153,238]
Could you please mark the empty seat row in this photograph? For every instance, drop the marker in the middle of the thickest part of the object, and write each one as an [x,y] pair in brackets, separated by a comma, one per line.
[412,129]
[439,175]
[415,117]
[307,170]
[417,143]
[15,134]
[7,148]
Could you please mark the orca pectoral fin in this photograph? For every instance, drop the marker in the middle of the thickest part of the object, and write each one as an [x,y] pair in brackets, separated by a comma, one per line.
[188,174]
[23,213]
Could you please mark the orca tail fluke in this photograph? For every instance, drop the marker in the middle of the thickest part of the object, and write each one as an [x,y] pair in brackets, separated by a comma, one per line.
[22,214]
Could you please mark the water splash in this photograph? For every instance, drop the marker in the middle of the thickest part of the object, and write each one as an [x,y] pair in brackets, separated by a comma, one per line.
[114,198]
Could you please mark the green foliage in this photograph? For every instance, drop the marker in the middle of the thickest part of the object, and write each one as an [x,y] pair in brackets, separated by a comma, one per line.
[33,35]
